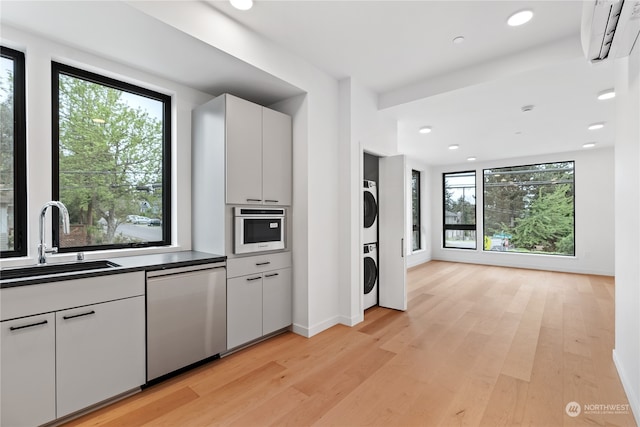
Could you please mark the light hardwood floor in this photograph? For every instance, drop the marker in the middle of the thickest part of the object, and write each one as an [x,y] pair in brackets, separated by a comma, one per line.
[478,345]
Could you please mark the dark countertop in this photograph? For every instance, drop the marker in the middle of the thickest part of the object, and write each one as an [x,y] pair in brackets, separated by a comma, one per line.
[128,264]
[168,260]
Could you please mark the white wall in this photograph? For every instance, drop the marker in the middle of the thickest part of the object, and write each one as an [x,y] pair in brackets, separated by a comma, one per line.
[627,216]
[39,53]
[594,211]
[362,127]
[315,183]
[424,253]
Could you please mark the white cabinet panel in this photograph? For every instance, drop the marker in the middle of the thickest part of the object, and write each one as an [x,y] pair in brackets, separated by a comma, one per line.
[100,352]
[392,242]
[244,151]
[28,371]
[20,301]
[244,309]
[276,157]
[276,300]
[257,264]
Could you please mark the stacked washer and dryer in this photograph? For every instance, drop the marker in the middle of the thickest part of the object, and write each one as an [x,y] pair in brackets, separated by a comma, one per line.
[370,249]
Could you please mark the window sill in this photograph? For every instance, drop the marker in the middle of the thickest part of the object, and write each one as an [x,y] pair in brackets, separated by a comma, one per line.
[89,255]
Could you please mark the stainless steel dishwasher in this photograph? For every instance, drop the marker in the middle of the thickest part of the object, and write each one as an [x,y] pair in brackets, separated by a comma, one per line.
[186,316]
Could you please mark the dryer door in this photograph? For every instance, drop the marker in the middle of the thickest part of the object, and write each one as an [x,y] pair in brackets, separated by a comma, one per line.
[370,274]
[370,209]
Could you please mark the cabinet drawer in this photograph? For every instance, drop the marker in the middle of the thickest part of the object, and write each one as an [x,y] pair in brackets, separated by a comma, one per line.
[257,264]
[27,300]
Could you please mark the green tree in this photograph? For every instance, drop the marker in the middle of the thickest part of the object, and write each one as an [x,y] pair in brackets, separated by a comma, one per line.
[549,222]
[110,157]
[6,148]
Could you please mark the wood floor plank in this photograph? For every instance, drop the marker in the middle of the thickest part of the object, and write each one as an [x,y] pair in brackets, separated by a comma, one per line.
[478,346]
[507,403]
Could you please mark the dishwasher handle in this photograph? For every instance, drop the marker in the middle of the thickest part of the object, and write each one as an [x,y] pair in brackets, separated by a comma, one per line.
[190,269]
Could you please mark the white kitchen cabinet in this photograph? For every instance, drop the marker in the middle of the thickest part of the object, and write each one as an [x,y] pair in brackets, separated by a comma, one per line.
[276,158]
[256,146]
[259,296]
[100,352]
[276,300]
[243,130]
[28,371]
[244,309]
[52,366]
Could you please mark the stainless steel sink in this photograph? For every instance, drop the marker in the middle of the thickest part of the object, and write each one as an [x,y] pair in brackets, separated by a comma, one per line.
[46,269]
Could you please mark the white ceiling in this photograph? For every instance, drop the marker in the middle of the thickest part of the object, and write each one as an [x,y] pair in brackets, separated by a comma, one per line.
[144,43]
[471,93]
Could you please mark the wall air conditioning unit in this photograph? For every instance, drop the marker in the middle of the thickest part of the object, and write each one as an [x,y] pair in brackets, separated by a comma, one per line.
[610,28]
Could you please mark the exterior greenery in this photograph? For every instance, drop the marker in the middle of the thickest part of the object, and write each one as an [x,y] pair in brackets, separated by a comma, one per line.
[110,161]
[459,216]
[530,208]
[415,210]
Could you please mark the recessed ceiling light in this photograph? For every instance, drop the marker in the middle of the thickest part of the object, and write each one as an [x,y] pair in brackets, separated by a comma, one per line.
[520,18]
[607,94]
[596,126]
[458,40]
[242,4]
[454,147]
[471,159]
[425,129]
[589,145]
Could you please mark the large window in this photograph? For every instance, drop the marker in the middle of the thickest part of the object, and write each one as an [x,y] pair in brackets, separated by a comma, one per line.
[415,210]
[459,214]
[13,166]
[530,209]
[111,161]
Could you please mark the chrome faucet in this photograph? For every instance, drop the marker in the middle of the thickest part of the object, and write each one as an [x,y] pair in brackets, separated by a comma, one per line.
[42,247]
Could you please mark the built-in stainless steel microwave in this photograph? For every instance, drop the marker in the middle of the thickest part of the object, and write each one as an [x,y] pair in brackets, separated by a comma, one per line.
[258,229]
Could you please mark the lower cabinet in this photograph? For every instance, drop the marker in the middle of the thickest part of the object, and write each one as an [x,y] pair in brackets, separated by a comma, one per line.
[257,304]
[244,309]
[100,352]
[276,300]
[28,371]
[64,360]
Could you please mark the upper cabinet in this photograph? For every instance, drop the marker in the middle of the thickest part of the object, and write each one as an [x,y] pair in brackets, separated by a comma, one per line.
[243,125]
[258,154]
[276,157]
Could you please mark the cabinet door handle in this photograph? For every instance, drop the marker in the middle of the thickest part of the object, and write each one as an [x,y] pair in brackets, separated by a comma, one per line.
[263,263]
[271,275]
[254,200]
[30,325]
[249,279]
[73,316]
[271,201]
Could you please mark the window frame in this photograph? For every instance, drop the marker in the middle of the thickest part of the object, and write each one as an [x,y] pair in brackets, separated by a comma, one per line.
[529,165]
[460,227]
[416,175]
[58,68]
[19,154]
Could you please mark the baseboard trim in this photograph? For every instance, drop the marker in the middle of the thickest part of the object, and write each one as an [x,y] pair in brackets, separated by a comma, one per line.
[308,332]
[624,379]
